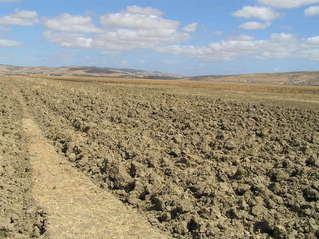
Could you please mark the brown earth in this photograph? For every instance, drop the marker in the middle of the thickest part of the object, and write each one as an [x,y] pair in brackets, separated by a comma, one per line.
[72,205]
[198,162]
[75,206]
[20,216]
[310,78]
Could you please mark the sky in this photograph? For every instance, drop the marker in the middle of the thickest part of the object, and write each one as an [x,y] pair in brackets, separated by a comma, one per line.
[193,37]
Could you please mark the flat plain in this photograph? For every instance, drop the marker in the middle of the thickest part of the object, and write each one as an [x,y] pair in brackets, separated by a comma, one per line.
[189,159]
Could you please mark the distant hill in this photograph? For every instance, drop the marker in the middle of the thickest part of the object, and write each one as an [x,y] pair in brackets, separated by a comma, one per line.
[86,71]
[305,78]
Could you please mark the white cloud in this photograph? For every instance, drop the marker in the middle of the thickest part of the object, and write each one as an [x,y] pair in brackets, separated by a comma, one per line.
[287,3]
[141,18]
[312,54]
[254,25]
[70,40]
[71,23]
[134,28]
[117,40]
[144,10]
[4,28]
[9,43]
[263,13]
[23,18]
[312,11]
[243,38]
[10,0]
[191,27]
[280,45]
[125,39]
[218,33]
[283,36]
[313,40]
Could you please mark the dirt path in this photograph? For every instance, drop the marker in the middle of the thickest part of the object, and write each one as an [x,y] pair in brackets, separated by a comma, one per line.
[76,207]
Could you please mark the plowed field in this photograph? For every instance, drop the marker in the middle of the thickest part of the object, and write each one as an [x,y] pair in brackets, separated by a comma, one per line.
[195,163]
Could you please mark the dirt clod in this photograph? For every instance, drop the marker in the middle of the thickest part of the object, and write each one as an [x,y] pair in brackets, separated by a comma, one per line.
[195,166]
[19,214]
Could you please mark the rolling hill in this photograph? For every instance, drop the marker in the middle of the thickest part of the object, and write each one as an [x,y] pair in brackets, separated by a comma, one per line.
[304,78]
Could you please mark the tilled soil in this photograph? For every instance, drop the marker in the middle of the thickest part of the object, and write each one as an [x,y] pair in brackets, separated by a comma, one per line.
[76,207]
[19,215]
[197,167]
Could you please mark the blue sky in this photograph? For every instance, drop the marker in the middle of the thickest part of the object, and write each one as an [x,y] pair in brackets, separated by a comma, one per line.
[187,37]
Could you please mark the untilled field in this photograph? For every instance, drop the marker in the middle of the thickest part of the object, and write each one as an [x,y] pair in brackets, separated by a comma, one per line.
[195,166]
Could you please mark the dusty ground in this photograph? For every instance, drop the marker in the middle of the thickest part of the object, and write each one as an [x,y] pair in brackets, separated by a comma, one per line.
[75,206]
[288,78]
[33,176]
[20,216]
[197,162]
